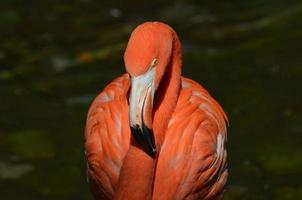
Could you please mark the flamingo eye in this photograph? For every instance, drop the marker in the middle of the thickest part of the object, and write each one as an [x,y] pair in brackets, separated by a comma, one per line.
[154,62]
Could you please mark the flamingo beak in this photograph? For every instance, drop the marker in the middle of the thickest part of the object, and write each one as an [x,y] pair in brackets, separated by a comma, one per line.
[141,105]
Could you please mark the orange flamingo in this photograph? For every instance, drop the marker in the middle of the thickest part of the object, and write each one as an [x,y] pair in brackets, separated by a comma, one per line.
[153,134]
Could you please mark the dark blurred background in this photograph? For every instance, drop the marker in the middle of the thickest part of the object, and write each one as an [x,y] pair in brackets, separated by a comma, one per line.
[55,56]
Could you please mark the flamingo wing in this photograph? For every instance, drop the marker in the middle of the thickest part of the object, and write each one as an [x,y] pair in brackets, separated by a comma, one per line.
[107,137]
[192,160]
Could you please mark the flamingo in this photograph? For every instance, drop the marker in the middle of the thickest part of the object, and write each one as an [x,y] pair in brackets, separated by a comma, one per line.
[153,134]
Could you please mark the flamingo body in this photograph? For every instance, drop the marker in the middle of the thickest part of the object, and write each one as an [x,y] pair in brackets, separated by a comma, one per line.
[191,160]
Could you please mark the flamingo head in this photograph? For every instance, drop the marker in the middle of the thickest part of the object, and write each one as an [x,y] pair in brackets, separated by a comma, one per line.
[146,58]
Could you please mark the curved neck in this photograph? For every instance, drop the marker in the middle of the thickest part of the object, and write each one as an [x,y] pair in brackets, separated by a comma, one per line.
[167,94]
[138,170]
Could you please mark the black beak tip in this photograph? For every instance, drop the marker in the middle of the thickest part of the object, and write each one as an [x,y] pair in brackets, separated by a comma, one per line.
[145,138]
[153,152]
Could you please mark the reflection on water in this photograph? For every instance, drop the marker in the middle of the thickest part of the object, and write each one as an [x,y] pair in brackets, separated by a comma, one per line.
[55,57]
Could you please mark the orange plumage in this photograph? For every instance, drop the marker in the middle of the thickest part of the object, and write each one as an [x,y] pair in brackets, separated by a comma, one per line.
[153,134]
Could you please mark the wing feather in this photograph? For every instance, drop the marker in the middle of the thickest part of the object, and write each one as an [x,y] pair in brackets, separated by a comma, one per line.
[106,140]
[192,160]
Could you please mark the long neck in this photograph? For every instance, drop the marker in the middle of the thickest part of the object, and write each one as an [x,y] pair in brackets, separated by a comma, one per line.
[167,94]
[138,170]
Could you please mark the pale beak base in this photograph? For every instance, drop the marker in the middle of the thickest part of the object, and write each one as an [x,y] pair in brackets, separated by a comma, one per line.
[140,110]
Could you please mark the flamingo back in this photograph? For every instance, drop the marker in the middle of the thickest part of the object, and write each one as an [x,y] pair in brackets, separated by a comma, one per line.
[192,160]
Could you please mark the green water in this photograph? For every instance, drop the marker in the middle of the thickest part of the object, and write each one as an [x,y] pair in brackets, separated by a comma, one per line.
[55,56]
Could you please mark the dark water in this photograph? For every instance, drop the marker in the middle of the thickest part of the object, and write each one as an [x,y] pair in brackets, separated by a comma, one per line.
[56,56]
